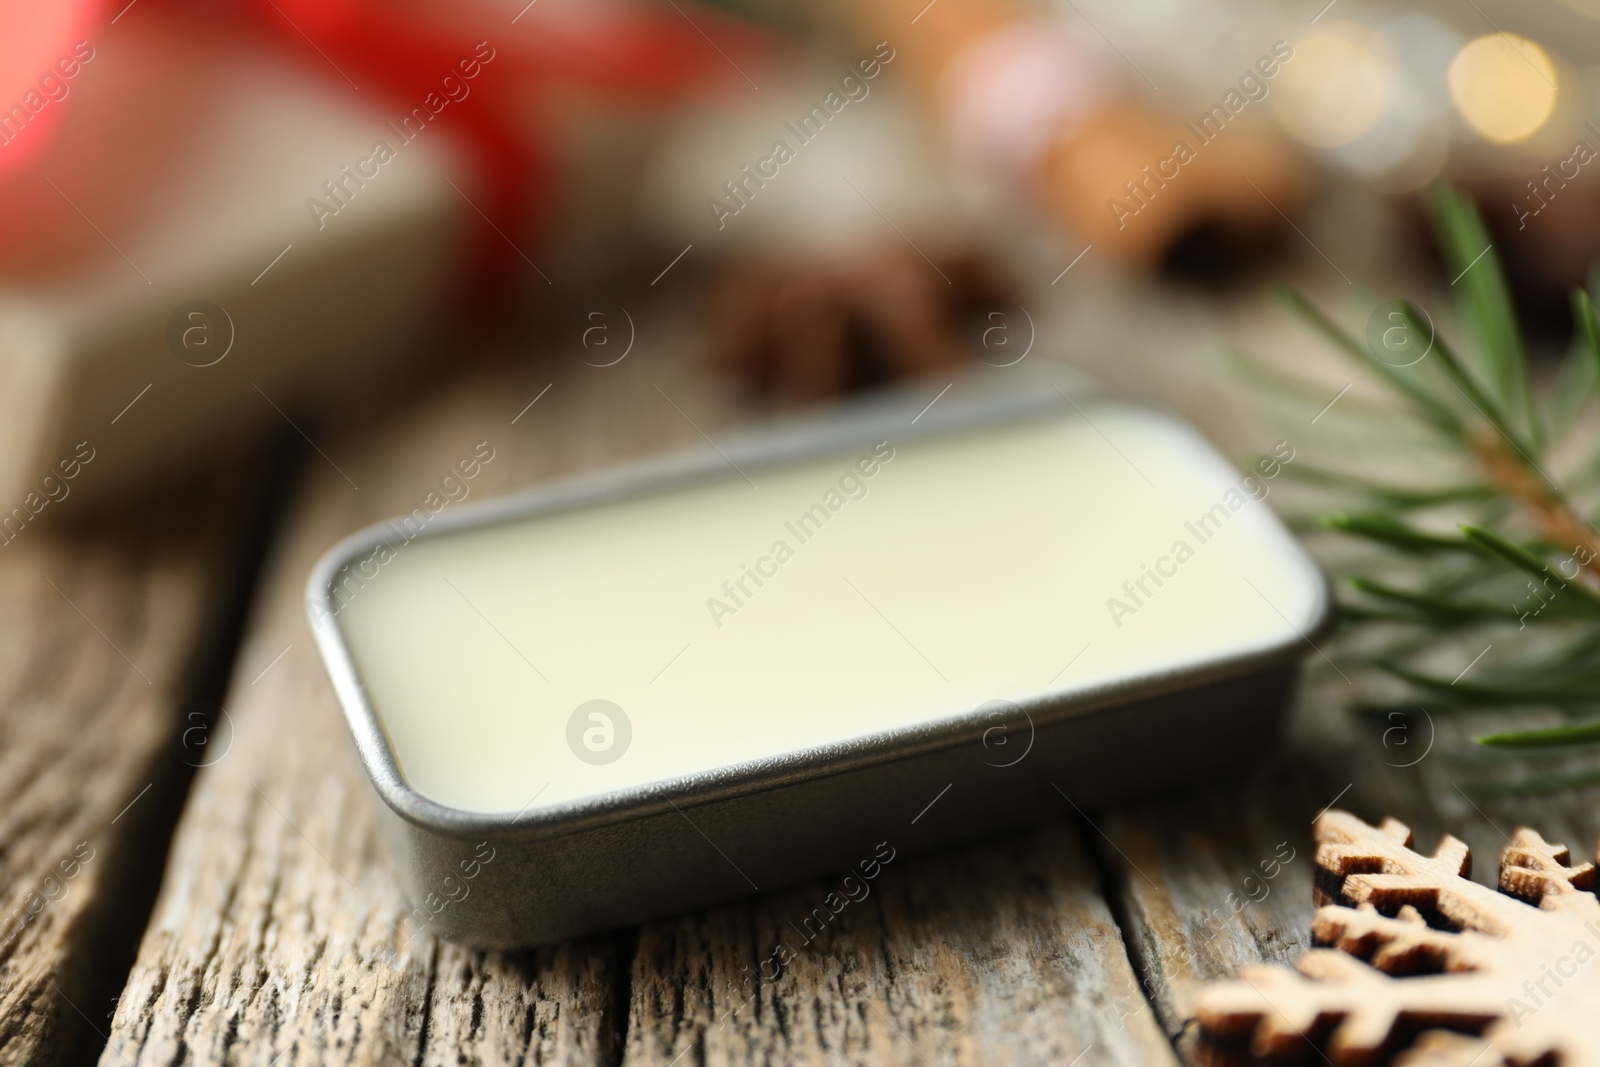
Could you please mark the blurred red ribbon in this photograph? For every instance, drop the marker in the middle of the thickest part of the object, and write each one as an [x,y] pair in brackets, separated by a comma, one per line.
[402,52]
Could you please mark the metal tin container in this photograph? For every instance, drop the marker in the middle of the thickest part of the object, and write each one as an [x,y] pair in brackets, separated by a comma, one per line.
[582,861]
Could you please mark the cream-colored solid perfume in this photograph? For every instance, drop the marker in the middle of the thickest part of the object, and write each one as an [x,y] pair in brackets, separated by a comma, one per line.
[870,585]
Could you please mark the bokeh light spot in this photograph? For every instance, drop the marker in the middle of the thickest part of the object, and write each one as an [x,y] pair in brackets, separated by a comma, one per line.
[1336,86]
[1504,86]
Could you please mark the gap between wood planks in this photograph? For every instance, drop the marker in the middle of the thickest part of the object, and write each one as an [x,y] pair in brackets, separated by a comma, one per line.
[1094,847]
[619,1014]
[138,859]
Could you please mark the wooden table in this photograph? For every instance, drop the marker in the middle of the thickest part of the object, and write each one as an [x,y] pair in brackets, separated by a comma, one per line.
[244,911]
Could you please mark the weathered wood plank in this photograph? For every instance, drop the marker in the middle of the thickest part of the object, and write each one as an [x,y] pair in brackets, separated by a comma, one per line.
[1209,882]
[102,642]
[275,932]
[1006,953]
[1175,863]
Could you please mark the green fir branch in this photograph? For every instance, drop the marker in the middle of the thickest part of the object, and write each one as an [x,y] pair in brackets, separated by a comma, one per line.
[1526,562]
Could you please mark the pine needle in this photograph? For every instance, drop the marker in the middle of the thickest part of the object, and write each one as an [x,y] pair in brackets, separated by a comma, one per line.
[1527,557]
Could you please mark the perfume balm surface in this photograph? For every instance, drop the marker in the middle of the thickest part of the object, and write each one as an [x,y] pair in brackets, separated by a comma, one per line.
[893,579]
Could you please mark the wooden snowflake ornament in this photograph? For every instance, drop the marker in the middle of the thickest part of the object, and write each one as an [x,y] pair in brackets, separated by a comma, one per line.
[1419,950]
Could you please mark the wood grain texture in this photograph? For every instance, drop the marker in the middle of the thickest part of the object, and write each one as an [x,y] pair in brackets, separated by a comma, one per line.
[99,641]
[1175,863]
[1474,964]
[277,938]
[274,940]
[1001,954]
